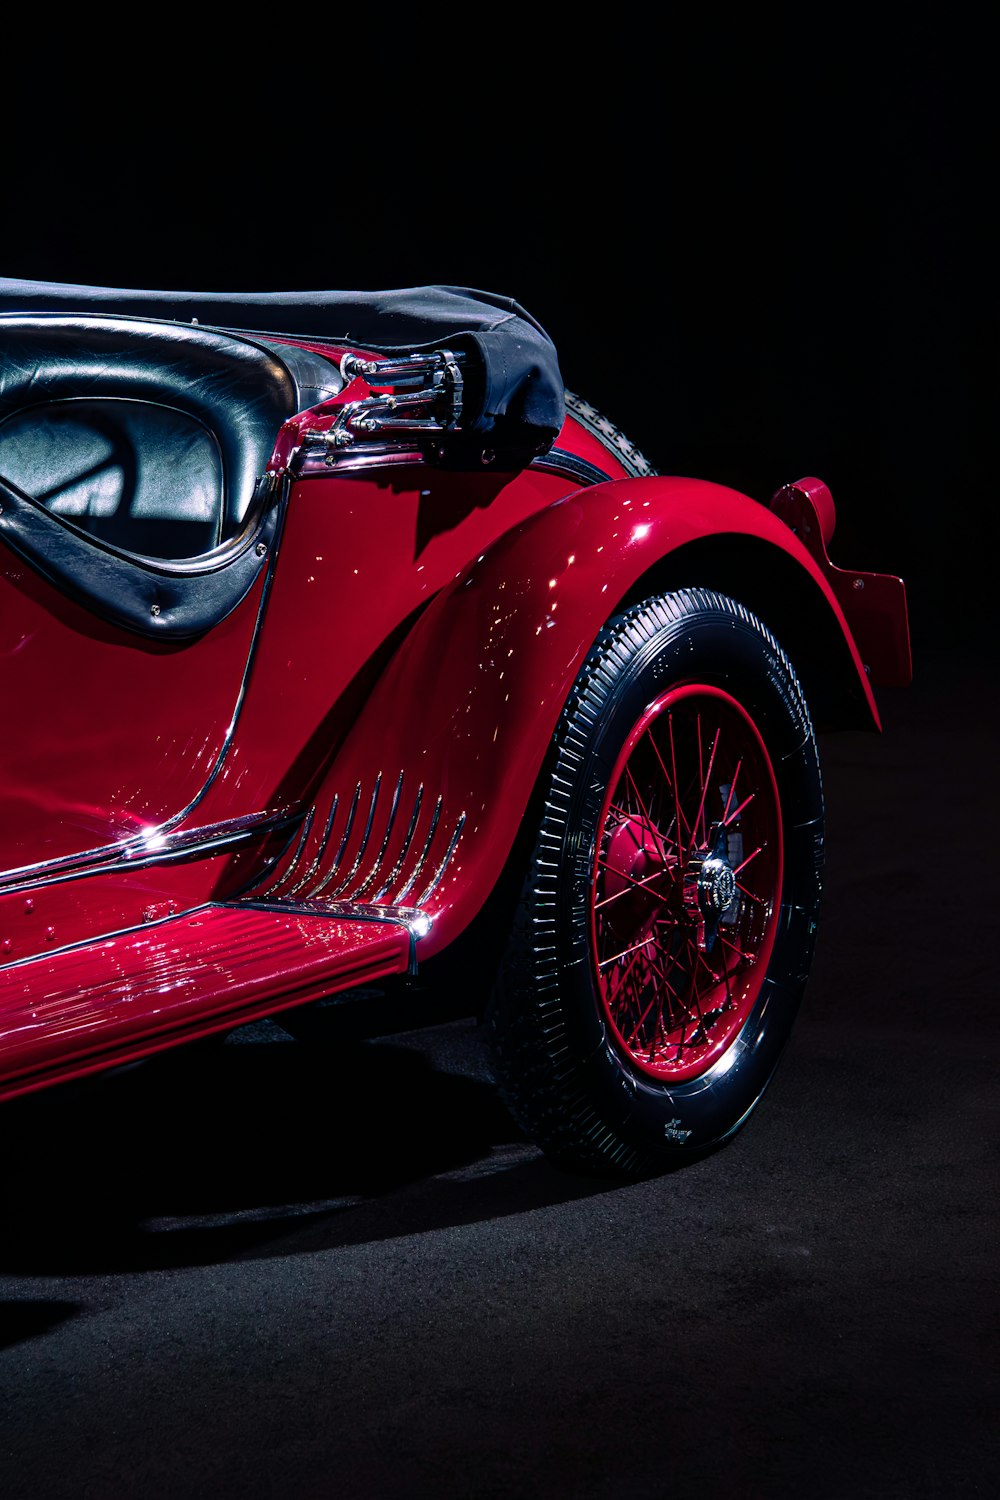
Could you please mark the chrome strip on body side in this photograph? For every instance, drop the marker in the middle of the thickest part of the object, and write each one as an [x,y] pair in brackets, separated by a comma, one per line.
[555,461]
[158,847]
[71,866]
[105,937]
[416,923]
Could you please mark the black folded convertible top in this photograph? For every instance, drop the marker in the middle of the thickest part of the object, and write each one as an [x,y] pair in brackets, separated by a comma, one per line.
[516,389]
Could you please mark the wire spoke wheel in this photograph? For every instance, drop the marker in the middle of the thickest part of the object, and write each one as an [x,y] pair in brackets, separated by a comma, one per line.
[668,910]
[686,882]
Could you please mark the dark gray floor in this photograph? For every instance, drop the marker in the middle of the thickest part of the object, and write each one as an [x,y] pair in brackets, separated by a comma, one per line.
[341,1271]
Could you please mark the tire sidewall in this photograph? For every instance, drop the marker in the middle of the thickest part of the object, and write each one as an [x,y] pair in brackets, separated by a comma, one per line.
[730,651]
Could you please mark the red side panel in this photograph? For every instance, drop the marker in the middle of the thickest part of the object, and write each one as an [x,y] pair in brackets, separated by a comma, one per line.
[130,993]
[112,732]
[361,552]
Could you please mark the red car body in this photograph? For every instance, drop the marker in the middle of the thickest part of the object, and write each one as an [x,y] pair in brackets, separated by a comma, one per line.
[322,789]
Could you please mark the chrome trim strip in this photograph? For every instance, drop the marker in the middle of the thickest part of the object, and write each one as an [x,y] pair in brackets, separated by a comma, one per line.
[404,851]
[363,911]
[244,684]
[416,923]
[290,869]
[343,842]
[189,843]
[372,875]
[558,461]
[415,876]
[105,937]
[439,873]
[71,866]
[317,859]
[308,465]
[364,841]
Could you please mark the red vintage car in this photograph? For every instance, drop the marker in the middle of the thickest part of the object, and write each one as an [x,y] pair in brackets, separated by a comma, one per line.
[335,639]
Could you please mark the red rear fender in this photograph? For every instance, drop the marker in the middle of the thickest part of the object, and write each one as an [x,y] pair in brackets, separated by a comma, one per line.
[467,707]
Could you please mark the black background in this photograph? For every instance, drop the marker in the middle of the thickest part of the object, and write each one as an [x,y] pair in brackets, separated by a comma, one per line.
[763,253]
[340,1270]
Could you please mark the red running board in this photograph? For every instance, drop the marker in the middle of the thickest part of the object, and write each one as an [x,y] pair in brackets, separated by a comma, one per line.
[69,1013]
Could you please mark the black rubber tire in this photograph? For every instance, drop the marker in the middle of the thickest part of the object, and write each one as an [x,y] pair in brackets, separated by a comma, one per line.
[565,1081]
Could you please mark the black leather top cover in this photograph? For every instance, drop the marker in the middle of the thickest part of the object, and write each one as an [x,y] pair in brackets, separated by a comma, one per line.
[239,392]
[514,387]
[138,475]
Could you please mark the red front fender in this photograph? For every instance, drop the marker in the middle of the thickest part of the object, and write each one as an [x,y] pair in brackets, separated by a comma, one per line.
[468,705]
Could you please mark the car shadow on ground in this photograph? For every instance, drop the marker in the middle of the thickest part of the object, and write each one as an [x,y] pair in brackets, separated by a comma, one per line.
[30,1317]
[275,1148]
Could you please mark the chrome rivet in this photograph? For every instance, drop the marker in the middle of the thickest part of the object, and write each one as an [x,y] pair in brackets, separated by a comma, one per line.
[6,945]
[154,609]
[859,583]
[29,907]
[260,549]
[487,456]
[50,934]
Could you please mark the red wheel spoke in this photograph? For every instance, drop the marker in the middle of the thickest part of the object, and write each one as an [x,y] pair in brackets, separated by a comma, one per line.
[737,869]
[625,952]
[704,790]
[677,800]
[694,981]
[675,995]
[635,1029]
[666,777]
[654,965]
[732,788]
[632,998]
[751,895]
[706,965]
[656,751]
[674,1005]
[637,885]
[736,949]
[646,818]
[734,815]
[725,971]
[701,770]
[626,825]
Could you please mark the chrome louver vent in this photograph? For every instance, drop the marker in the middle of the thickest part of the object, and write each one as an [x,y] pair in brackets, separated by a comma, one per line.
[366,849]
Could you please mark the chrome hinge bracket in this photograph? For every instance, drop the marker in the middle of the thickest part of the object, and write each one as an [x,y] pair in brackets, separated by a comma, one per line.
[424,402]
